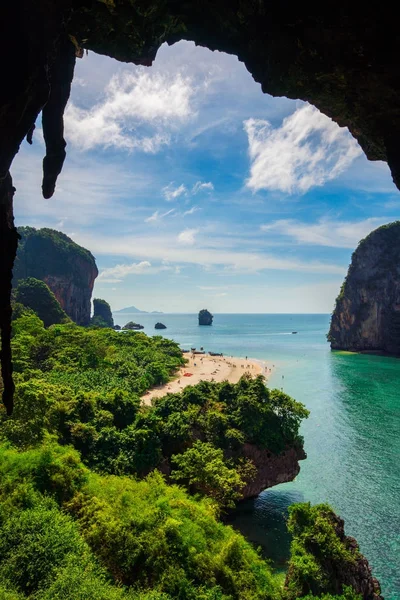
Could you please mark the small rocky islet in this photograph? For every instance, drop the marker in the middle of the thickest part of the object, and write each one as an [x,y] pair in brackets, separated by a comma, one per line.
[132,326]
[205,317]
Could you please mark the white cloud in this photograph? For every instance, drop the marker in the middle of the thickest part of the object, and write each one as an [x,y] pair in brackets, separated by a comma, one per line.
[335,234]
[187,236]
[169,248]
[87,191]
[171,193]
[211,287]
[201,186]
[191,211]
[132,99]
[306,151]
[117,273]
[156,216]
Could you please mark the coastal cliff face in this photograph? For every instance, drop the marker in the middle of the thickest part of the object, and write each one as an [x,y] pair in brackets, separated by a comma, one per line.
[68,269]
[367,312]
[272,469]
[323,559]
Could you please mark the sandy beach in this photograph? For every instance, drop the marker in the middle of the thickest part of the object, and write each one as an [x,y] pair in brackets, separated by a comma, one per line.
[208,368]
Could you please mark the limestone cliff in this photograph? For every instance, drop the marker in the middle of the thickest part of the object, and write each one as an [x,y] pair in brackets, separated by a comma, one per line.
[68,269]
[367,312]
[272,469]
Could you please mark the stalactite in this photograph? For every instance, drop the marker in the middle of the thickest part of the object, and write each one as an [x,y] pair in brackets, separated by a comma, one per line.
[8,250]
[60,79]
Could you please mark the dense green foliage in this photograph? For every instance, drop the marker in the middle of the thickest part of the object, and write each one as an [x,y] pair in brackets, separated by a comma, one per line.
[84,512]
[102,316]
[67,533]
[44,252]
[203,468]
[320,553]
[84,387]
[36,295]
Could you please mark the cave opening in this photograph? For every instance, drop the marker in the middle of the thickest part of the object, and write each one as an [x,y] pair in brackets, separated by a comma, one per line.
[117,116]
[343,63]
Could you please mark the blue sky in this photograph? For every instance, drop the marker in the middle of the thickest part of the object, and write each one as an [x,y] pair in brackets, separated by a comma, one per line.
[194,189]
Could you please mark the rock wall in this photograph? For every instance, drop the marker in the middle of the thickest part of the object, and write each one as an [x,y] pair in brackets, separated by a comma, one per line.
[367,312]
[272,469]
[68,269]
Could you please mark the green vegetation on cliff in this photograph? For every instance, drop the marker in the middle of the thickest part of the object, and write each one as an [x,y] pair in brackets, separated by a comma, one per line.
[69,533]
[323,560]
[68,269]
[84,387]
[85,511]
[36,295]
[43,252]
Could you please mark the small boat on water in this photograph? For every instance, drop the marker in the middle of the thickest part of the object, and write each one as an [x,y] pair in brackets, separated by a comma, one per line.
[294,332]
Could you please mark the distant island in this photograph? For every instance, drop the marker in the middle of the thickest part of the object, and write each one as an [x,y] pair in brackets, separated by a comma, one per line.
[133,309]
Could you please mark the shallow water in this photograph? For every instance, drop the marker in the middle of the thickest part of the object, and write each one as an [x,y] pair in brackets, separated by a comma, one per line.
[352,437]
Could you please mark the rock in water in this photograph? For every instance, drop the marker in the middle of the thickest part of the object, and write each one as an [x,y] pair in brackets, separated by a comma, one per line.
[367,312]
[133,326]
[68,269]
[160,326]
[205,317]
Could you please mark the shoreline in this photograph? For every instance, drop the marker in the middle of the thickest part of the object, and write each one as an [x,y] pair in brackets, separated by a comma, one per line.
[208,368]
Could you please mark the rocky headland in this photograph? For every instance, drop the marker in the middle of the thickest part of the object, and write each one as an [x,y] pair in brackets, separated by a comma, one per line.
[367,312]
[334,562]
[68,269]
[272,469]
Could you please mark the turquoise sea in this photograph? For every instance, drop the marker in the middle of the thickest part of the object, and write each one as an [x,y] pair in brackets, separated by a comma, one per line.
[352,437]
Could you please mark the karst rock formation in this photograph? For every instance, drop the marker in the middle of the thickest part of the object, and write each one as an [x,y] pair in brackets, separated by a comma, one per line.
[367,312]
[67,268]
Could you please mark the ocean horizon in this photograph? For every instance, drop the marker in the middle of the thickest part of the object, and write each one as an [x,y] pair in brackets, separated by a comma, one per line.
[352,437]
